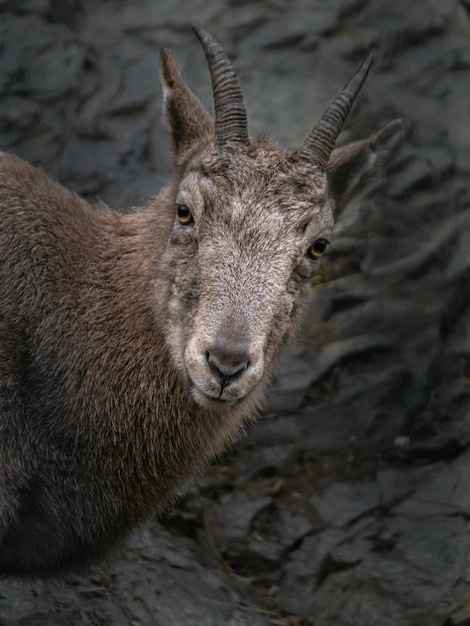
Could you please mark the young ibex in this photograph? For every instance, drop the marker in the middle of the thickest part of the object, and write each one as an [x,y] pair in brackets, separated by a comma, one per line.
[134,348]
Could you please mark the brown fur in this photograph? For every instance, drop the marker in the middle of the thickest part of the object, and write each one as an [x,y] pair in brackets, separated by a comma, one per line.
[108,406]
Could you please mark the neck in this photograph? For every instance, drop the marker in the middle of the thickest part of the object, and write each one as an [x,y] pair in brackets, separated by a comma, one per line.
[125,369]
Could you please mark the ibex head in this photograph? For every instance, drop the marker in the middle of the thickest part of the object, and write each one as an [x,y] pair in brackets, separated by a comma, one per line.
[251,221]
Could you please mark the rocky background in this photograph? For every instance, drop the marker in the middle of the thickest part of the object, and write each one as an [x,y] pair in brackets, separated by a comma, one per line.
[349,503]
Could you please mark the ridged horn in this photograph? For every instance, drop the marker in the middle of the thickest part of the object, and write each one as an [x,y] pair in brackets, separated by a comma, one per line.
[320,143]
[230,113]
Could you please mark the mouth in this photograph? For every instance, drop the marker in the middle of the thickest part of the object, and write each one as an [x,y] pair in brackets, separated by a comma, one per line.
[209,401]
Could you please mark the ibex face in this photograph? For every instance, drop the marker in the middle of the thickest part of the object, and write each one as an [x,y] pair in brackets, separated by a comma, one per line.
[251,223]
[250,229]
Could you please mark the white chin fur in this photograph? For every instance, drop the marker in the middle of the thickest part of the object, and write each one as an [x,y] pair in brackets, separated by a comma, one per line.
[209,402]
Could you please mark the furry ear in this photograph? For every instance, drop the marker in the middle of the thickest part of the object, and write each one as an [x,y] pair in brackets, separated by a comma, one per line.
[358,165]
[187,120]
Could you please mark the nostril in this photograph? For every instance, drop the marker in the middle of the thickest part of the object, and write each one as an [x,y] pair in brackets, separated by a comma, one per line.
[226,366]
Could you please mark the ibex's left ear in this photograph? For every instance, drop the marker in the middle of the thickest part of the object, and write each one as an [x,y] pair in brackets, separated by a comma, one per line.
[356,166]
[187,120]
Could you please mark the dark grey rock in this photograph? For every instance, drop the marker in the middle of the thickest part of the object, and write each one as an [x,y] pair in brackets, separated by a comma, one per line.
[351,43]
[17,113]
[158,150]
[274,430]
[460,618]
[78,164]
[309,559]
[41,148]
[394,485]
[234,515]
[257,556]
[437,545]
[142,588]
[278,33]
[93,113]
[326,429]
[331,354]
[445,491]
[441,160]
[124,193]
[266,461]
[291,383]
[342,503]
[449,228]
[65,10]
[361,604]
[349,553]
[27,6]
[290,528]
[137,88]
[49,66]
[459,262]
[295,596]
[417,175]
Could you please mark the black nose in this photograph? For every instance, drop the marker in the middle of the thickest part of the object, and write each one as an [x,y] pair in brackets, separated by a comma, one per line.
[227,366]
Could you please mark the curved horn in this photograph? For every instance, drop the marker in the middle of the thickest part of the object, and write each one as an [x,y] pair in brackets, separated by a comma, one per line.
[230,113]
[321,141]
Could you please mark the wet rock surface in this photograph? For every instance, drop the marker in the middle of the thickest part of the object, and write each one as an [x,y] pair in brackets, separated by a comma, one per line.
[348,504]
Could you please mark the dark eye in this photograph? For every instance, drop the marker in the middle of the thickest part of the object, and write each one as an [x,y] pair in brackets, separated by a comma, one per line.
[317,248]
[185,217]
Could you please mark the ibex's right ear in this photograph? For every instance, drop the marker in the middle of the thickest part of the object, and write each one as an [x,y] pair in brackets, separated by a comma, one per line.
[187,120]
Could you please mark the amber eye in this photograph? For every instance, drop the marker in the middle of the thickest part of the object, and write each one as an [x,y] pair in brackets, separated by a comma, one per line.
[185,217]
[317,248]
